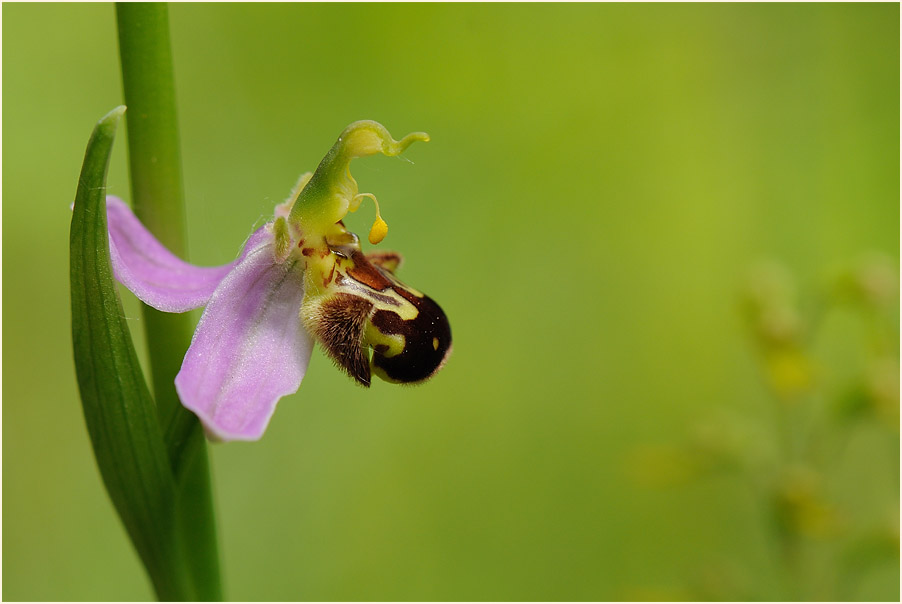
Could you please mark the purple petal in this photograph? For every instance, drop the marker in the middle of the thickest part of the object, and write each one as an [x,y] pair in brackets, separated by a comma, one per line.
[250,348]
[154,274]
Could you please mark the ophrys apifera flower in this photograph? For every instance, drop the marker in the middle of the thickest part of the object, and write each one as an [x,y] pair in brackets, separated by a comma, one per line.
[300,278]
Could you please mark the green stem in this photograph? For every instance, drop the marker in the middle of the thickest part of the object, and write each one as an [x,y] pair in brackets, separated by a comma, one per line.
[157,196]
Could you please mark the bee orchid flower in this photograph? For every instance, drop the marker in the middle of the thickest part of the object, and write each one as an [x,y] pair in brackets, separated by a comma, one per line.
[300,278]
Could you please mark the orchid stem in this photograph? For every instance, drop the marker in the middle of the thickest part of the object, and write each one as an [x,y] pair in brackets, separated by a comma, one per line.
[157,196]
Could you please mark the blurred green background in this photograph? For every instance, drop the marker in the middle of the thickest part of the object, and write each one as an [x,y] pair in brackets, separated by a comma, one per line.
[600,181]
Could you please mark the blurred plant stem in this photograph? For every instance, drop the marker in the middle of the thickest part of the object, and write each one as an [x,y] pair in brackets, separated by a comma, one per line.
[157,196]
[788,462]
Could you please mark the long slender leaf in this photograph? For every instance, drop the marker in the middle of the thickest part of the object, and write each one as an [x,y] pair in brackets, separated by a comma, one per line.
[118,409]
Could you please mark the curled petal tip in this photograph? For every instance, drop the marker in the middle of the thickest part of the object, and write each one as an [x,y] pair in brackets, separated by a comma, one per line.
[331,192]
[418,136]
[412,138]
[367,137]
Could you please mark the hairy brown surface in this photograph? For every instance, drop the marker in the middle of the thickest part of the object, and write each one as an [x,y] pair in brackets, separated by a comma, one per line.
[338,325]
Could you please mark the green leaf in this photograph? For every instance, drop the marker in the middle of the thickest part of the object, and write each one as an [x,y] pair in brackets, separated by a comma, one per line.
[118,409]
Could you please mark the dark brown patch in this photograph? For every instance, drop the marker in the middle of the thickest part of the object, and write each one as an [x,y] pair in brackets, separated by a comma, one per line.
[301,243]
[307,251]
[366,273]
[421,358]
[339,325]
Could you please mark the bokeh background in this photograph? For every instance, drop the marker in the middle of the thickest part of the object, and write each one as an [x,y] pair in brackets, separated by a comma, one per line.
[667,238]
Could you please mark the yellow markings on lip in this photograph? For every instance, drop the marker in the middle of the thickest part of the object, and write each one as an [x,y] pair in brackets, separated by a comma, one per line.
[386,344]
[435,343]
